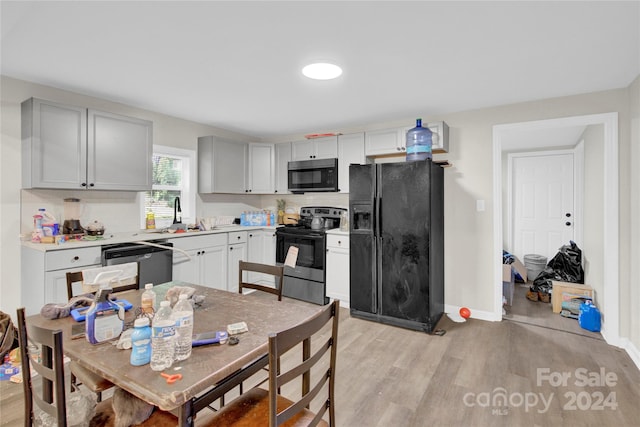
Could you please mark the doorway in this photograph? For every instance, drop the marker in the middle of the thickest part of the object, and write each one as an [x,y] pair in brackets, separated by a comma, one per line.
[502,138]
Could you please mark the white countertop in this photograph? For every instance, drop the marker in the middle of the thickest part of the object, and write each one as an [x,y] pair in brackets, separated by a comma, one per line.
[338,232]
[136,236]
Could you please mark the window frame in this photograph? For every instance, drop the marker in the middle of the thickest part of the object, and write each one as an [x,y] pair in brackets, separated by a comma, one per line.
[188,188]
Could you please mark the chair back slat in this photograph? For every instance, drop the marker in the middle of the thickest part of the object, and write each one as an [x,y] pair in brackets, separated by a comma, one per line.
[273,270]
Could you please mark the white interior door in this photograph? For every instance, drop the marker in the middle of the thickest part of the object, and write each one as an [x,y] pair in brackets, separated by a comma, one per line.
[543,203]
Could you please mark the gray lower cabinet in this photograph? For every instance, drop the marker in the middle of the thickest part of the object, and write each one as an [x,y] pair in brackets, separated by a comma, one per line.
[71,147]
[44,274]
[205,261]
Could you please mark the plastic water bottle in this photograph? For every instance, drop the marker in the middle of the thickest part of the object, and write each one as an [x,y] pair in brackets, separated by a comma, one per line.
[183,315]
[148,299]
[419,143]
[141,342]
[162,338]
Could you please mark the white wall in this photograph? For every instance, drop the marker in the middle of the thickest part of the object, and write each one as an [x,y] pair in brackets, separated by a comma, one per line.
[593,215]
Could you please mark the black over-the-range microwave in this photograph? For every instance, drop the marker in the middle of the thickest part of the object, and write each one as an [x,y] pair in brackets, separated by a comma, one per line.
[313,175]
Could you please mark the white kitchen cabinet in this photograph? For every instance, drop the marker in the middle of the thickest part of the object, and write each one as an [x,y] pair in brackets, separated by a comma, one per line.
[44,274]
[71,147]
[316,148]
[350,150]
[237,252]
[337,265]
[261,168]
[221,165]
[207,261]
[393,141]
[385,142]
[282,159]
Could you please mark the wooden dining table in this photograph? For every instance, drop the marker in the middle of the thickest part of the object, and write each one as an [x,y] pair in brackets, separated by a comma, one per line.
[211,370]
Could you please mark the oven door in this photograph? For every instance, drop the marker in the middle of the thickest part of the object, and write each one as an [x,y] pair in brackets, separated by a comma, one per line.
[310,249]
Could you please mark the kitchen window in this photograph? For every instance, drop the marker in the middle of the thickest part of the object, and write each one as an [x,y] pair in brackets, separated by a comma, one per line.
[173,176]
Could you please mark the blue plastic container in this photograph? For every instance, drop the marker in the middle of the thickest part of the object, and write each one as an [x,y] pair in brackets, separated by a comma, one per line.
[419,143]
[141,342]
[589,317]
[104,319]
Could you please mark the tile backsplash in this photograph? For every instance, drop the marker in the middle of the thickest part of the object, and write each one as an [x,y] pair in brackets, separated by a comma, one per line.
[120,211]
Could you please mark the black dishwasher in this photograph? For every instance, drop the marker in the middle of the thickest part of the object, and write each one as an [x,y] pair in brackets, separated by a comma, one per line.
[155,263]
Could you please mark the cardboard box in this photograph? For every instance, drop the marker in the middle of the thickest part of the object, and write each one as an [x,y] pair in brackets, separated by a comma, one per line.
[560,288]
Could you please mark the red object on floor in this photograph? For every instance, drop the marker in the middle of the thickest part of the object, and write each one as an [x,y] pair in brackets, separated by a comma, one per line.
[465,312]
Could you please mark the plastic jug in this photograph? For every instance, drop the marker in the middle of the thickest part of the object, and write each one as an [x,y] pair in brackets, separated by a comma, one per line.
[104,319]
[419,143]
[589,317]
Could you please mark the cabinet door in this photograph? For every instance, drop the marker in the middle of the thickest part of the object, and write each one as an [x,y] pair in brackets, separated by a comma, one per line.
[261,168]
[221,165]
[54,145]
[386,141]
[237,253]
[185,269]
[119,153]
[283,157]
[440,137]
[327,147]
[337,274]
[350,150]
[213,267]
[303,150]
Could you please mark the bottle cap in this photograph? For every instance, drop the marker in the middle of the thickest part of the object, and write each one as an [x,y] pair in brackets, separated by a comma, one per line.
[148,286]
[141,322]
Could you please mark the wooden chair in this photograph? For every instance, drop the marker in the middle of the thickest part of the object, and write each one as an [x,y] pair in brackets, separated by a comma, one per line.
[78,374]
[262,407]
[51,398]
[76,277]
[276,271]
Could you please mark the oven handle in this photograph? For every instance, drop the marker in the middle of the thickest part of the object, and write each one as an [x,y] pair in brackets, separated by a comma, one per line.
[298,236]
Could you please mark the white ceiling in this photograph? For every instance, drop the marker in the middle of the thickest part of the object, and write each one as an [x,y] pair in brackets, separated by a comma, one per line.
[236,65]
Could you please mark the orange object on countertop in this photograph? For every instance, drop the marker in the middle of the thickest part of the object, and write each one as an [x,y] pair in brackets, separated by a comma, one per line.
[171,378]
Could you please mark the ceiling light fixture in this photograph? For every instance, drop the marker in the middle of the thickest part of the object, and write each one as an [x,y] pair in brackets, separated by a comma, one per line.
[322,71]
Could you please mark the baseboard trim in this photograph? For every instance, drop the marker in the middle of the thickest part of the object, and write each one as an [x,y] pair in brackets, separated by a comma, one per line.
[475,314]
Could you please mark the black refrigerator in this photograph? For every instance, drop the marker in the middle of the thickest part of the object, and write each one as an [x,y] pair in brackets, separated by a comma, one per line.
[396,243]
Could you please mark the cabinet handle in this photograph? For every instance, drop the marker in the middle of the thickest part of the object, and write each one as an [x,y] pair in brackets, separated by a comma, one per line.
[84,184]
[202,253]
[231,248]
[91,185]
[250,235]
[339,242]
[75,258]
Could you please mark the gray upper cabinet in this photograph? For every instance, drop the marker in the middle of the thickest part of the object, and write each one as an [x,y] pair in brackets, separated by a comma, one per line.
[221,165]
[70,147]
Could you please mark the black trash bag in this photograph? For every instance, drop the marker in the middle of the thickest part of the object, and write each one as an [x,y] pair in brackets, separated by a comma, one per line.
[565,266]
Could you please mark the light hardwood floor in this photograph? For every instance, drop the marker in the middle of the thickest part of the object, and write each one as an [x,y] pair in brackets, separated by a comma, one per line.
[388,376]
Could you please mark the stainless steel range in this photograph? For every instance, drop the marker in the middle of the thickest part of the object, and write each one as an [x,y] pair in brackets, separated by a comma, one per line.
[307,280]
